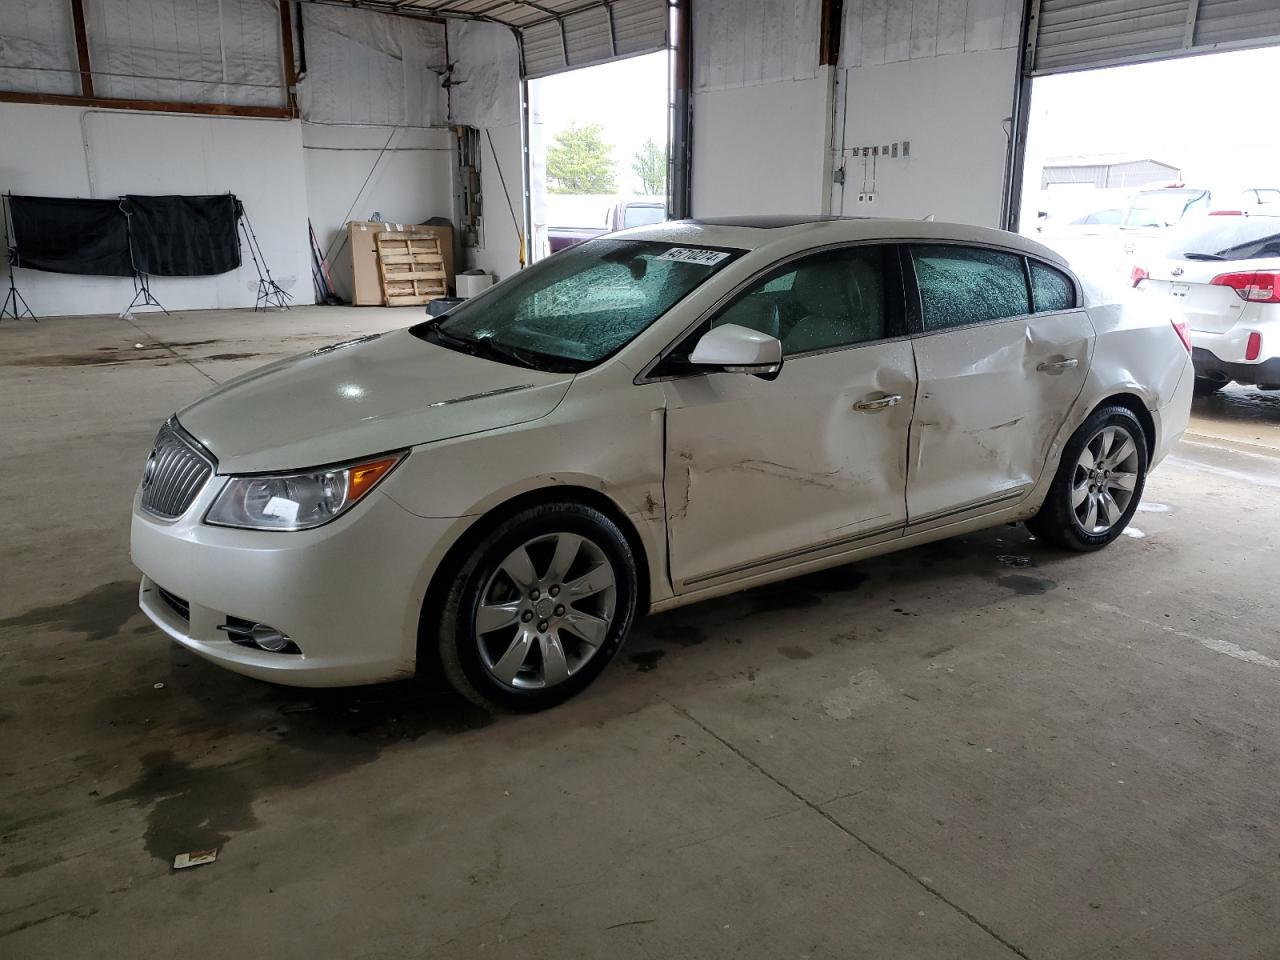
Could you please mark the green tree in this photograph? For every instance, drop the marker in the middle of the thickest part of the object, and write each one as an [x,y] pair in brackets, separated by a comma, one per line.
[649,163]
[578,161]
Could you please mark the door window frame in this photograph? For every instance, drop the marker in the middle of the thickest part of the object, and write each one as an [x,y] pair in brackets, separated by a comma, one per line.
[892,270]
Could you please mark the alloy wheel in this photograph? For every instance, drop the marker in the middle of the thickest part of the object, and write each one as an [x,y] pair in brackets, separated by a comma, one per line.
[545,611]
[1104,480]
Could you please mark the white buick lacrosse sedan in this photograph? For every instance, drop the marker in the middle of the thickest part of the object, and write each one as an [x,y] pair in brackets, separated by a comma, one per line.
[645,420]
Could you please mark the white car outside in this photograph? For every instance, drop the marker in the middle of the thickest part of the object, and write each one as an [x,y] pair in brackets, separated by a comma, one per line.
[1221,274]
[498,493]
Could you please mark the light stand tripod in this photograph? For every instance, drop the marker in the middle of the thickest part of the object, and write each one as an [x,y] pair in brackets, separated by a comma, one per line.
[142,296]
[15,304]
[270,293]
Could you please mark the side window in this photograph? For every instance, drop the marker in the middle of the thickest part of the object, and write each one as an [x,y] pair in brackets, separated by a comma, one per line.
[962,285]
[831,299]
[1050,288]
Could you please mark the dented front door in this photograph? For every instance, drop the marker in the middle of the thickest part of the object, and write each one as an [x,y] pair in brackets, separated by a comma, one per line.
[991,400]
[764,474]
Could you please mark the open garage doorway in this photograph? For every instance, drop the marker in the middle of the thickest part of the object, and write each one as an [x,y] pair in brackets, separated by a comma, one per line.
[598,150]
[1117,159]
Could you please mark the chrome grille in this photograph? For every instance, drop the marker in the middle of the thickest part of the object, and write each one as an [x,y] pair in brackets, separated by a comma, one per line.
[176,471]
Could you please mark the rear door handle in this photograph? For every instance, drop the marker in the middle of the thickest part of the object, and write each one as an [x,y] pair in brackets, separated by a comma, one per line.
[1057,366]
[880,403]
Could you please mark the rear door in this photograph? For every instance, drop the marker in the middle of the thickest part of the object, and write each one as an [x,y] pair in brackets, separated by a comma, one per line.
[997,377]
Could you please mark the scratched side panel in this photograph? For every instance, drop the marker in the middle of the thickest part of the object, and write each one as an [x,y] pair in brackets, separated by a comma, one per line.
[606,436]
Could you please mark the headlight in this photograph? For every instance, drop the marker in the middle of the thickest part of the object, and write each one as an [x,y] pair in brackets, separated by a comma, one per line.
[297,501]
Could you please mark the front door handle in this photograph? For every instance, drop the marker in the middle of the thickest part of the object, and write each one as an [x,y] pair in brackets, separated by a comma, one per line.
[880,403]
[1057,366]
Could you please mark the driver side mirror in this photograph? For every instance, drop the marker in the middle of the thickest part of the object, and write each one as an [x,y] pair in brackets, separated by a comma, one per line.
[737,349]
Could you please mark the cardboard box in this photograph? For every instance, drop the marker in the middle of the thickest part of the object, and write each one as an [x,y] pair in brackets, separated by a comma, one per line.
[366,289]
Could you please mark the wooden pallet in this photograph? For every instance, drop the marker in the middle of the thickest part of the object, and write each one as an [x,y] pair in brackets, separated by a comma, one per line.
[410,268]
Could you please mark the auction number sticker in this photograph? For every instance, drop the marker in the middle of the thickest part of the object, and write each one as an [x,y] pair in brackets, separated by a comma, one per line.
[708,258]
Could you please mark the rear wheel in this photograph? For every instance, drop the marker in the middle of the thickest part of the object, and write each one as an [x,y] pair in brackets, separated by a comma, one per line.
[1204,386]
[1099,482]
[539,608]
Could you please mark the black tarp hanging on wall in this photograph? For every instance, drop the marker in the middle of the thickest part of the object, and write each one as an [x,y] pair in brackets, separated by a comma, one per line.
[70,236]
[183,236]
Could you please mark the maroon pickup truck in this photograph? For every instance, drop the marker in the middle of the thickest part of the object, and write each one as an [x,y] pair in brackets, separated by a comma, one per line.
[628,213]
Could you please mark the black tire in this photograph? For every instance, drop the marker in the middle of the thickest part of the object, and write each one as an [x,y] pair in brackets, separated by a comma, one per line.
[1057,521]
[461,657]
[1205,387]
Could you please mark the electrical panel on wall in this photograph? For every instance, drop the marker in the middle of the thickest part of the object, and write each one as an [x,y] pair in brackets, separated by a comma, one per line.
[866,161]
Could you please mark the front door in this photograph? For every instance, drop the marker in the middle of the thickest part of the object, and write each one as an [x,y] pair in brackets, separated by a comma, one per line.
[762,474]
[996,380]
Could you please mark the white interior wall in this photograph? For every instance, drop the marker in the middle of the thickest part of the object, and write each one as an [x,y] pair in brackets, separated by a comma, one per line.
[350,176]
[760,149]
[72,152]
[940,74]
[953,111]
[761,108]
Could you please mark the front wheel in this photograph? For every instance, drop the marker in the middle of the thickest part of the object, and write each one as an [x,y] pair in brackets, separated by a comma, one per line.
[539,608]
[1098,484]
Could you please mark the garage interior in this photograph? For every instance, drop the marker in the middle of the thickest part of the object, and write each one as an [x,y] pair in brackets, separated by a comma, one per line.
[984,747]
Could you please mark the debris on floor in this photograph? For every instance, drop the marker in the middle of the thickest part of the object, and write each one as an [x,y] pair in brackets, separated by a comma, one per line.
[1014,560]
[194,859]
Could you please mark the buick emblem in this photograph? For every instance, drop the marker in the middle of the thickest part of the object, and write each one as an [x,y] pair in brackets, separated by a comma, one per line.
[149,471]
[1176,271]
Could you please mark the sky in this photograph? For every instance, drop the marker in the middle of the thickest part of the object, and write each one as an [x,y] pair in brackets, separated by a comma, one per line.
[628,98]
[1213,116]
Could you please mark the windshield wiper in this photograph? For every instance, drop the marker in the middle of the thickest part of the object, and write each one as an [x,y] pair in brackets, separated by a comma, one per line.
[1202,256]
[521,357]
[446,338]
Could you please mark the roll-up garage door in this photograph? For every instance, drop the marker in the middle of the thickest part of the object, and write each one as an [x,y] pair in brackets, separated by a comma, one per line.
[593,34]
[1075,34]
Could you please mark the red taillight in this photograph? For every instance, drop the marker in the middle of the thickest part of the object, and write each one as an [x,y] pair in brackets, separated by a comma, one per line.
[1254,347]
[1184,334]
[1255,287]
[1226,213]
[1138,275]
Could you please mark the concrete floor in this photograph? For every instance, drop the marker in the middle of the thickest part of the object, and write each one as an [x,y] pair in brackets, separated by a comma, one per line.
[981,748]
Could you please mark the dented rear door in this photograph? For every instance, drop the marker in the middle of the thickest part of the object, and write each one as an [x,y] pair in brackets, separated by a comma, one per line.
[992,394]
[991,400]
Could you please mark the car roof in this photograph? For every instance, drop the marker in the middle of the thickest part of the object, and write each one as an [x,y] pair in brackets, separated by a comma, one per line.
[760,233]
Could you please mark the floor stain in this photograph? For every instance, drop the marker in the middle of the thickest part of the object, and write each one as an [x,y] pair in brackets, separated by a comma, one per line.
[646,660]
[229,356]
[676,632]
[1025,586]
[98,615]
[313,735]
[795,653]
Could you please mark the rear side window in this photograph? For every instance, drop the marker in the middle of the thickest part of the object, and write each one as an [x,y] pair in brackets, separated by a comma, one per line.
[1050,288]
[963,285]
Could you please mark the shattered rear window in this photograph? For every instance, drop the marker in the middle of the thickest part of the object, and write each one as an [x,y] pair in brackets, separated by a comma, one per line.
[963,285]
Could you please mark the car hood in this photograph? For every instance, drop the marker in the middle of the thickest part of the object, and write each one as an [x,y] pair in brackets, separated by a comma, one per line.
[363,397]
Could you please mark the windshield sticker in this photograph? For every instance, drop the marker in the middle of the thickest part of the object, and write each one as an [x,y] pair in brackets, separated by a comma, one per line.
[708,258]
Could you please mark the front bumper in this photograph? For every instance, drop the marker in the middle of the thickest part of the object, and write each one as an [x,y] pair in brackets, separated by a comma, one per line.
[349,593]
[1210,367]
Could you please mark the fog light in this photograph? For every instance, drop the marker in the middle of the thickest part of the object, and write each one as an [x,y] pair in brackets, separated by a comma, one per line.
[260,635]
